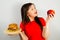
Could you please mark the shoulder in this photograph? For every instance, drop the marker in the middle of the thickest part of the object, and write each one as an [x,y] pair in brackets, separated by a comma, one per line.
[42,21]
[21,23]
[41,18]
[22,26]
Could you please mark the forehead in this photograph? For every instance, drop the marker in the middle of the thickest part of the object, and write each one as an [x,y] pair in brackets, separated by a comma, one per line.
[32,6]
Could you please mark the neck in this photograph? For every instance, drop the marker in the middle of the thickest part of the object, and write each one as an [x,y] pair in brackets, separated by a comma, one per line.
[31,18]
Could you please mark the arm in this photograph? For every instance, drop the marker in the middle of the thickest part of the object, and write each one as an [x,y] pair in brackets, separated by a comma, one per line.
[22,35]
[46,31]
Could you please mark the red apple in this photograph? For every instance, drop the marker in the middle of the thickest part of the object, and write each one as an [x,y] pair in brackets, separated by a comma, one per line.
[51,12]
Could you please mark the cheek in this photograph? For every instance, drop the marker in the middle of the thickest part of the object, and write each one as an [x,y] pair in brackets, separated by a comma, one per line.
[32,13]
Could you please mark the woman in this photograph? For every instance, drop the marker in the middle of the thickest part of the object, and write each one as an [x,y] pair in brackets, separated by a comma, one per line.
[32,27]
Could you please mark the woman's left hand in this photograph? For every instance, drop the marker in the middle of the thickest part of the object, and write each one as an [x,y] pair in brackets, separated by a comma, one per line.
[49,17]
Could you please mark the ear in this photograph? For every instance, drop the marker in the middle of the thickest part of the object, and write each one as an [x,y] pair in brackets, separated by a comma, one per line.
[28,14]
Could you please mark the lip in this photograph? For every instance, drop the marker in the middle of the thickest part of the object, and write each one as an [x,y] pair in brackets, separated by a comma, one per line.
[35,12]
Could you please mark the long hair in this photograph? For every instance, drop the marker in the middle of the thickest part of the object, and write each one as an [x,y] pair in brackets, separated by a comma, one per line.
[25,18]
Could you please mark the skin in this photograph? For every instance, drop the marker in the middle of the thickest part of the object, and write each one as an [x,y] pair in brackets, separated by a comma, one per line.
[31,13]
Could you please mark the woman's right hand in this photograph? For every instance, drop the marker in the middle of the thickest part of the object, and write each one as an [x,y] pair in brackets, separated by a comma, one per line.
[23,35]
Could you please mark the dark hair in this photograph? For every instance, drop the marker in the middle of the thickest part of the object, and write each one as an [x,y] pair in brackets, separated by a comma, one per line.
[25,18]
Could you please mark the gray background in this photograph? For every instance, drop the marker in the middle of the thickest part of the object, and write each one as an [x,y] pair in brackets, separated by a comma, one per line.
[10,13]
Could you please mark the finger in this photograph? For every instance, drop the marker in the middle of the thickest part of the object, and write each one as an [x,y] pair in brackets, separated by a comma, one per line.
[21,29]
[51,15]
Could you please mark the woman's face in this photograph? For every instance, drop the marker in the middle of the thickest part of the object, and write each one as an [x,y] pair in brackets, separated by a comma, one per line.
[32,12]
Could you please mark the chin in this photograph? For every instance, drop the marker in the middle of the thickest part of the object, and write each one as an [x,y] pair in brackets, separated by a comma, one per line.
[35,16]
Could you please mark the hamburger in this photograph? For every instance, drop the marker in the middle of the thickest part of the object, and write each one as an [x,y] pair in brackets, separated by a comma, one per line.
[13,27]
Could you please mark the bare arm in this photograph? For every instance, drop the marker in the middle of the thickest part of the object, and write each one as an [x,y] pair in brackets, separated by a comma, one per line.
[23,35]
[46,31]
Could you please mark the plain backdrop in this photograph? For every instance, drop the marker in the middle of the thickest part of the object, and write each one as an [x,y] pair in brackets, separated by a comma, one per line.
[10,13]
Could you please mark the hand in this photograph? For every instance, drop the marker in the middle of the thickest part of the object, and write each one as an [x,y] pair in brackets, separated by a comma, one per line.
[20,30]
[49,17]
